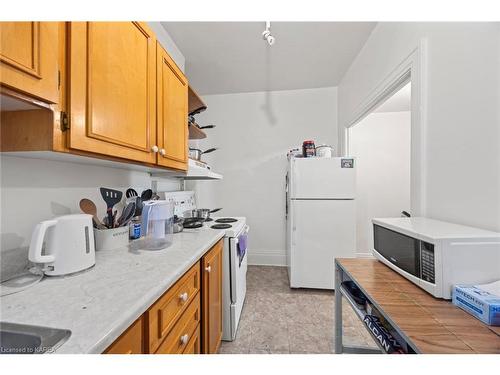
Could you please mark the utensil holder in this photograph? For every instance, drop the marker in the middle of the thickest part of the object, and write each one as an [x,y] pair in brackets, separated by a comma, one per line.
[109,239]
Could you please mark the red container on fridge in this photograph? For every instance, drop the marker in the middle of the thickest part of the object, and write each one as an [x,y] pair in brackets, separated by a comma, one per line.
[308,149]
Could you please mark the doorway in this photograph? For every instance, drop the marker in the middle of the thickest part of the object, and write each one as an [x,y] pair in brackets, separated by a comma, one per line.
[381,144]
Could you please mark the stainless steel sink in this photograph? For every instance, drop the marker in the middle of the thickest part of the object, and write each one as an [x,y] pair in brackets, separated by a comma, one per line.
[27,339]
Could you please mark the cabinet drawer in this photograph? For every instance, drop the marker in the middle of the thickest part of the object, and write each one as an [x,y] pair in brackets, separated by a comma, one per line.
[194,345]
[166,311]
[182,332]
[130,342]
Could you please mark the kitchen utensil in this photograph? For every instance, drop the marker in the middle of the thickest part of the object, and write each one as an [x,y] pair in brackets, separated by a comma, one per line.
[138,206]
[110,239]
[146,195]
[111,197]
[324,151]
[88,207]
[126,215]
[157,224]
[113,223]
[195,153]
[131,193]
[69,246]
[201,214]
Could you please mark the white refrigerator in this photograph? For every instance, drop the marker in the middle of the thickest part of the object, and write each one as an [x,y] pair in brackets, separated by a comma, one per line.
[320,218]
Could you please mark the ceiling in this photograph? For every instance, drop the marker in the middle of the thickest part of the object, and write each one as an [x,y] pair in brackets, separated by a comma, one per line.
[232,57]
[399,102]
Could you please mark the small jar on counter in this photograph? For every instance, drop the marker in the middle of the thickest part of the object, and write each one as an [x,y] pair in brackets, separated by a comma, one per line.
[308,149]
[135,228]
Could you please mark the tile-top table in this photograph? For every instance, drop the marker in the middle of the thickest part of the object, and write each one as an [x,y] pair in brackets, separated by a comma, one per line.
[427,324]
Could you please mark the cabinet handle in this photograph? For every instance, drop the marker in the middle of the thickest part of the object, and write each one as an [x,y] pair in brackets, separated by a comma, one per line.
[183,297]
[208,269]
[155,148]
[163,152]
[184,339]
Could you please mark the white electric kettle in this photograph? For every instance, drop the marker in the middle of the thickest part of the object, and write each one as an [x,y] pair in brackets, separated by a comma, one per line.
[69,244]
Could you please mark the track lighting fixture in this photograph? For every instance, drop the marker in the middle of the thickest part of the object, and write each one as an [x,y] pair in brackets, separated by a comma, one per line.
[266,34]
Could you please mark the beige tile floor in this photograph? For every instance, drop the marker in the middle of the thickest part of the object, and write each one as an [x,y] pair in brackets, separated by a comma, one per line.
[280,320]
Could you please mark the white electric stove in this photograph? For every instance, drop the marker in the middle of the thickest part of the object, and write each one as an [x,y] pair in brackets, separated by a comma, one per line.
[234,261]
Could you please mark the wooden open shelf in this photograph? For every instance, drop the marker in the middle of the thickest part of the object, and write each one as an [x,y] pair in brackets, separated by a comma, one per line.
[195,132]
[195,104]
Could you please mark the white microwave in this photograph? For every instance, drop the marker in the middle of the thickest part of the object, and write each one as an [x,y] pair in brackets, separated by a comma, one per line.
[436,255]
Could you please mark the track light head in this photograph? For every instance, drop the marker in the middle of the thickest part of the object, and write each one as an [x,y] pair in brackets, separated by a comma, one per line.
[266,34]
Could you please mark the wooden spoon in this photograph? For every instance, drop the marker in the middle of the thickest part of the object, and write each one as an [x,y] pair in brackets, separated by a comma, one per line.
[89,207]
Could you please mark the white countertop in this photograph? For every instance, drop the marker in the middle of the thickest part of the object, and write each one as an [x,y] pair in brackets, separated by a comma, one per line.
[430,229]
[97,305]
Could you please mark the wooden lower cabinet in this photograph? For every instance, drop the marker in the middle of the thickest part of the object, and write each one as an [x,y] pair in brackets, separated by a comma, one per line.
[171,307]
[179,337]
[194,345]
[186,319]
[212,299]
[130,342]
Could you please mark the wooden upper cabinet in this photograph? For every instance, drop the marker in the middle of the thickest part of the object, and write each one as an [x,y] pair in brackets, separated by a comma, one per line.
[212,300]
[172,91]
[29,53]
[113,89]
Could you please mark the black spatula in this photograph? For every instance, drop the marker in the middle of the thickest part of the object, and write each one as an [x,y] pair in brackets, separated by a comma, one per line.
[111,197]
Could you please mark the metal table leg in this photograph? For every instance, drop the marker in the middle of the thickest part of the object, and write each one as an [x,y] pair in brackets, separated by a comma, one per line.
[338,310]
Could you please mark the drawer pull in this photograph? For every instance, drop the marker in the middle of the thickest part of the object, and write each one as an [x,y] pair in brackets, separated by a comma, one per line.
[208,269]
[184,339]
[183,297]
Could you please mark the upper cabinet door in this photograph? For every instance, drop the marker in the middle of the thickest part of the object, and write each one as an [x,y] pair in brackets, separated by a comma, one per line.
[29,54]
[172,91]
[113,89]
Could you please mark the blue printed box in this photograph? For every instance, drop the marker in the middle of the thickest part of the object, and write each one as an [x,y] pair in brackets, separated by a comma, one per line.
[480,303]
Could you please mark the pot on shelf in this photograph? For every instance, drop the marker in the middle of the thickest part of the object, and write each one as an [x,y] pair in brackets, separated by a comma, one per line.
[195,153]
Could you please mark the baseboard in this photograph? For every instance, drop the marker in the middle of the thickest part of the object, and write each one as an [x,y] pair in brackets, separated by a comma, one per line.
[266,258]
[277,258]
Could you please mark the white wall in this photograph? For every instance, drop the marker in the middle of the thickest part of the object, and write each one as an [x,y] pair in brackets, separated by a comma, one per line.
[168,43]
[381,145]
[33,190]
[254,132]
[462,167]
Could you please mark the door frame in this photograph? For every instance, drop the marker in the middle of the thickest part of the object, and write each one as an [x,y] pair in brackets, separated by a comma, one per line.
[412,68]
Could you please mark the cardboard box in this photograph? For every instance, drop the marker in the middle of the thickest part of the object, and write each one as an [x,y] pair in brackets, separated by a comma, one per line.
[479,301]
